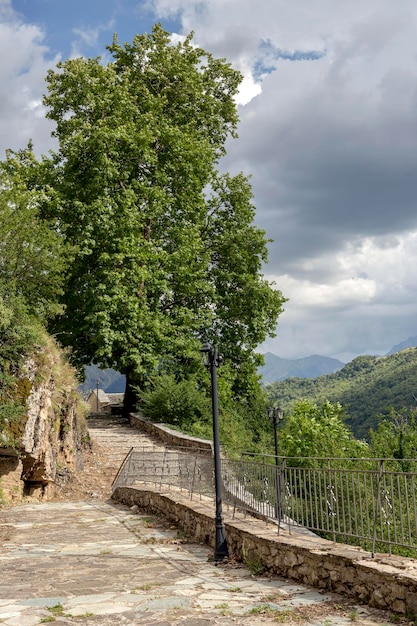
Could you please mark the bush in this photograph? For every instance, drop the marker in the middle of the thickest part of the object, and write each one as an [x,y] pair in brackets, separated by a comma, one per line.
[179,403]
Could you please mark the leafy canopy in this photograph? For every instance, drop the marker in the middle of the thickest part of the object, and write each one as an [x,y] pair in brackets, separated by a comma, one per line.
[313,430]
[167,254]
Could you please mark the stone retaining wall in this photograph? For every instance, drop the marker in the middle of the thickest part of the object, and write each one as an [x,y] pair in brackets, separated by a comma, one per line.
[386,582]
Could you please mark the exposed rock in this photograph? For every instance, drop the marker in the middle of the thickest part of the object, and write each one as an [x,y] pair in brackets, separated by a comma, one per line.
[53,430]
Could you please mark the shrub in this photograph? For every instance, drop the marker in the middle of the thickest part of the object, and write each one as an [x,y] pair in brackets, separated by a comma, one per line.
[179,403]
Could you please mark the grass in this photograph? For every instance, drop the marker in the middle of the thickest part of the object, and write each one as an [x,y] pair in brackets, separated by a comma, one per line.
[255,567]
[282,617]
[223,608]
[261,609]
[58,611]
[149,586]
[274,597]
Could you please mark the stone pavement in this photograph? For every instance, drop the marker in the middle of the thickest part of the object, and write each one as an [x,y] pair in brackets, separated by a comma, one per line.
[102,564]
[84,560]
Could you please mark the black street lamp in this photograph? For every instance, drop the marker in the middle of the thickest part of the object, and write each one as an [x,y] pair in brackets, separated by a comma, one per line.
[276,415]
[211,360]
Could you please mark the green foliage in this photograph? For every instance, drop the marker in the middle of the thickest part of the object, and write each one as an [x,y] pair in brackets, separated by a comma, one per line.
[366,387]
[18,334]
[178,403]
[318,431]
[32,255]
[395,437]
[186,404]
[18,331]
[130,233]
[32,261]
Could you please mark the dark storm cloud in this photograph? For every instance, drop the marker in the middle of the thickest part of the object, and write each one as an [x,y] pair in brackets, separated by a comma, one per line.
[323,175]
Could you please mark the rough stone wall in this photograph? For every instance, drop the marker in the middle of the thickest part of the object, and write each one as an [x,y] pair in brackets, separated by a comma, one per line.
[50,448]
[11,484]
[383,581]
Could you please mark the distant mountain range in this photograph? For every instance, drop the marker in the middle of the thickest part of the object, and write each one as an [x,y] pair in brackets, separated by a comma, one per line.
[276,368]
[411,342]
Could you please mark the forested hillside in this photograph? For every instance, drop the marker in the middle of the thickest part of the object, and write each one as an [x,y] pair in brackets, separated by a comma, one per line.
[367,387]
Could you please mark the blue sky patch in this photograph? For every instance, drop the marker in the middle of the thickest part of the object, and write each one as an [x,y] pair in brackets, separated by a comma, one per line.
[270,54]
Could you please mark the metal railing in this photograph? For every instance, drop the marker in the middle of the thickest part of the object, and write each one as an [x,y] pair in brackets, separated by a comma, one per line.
[365,502]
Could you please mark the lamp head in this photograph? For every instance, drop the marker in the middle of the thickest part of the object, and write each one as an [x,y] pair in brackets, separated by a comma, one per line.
[206,352]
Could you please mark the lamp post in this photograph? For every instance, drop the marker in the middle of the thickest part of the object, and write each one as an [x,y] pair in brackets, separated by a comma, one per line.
[276,415]
[211,360]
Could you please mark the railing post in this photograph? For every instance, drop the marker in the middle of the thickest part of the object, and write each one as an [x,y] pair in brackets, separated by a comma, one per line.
[193,478]
[162,469]
[378,503]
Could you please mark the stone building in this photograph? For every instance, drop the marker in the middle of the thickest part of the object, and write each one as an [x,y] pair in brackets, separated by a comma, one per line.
[101,402]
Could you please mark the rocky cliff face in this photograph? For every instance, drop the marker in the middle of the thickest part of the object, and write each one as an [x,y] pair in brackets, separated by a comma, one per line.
[53,431]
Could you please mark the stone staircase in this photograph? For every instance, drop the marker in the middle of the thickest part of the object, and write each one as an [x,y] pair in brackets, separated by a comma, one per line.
[116,437]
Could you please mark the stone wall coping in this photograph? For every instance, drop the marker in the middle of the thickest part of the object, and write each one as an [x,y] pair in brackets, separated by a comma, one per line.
[167,435]
[383,581]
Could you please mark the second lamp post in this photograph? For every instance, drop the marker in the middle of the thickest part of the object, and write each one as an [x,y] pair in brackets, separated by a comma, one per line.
[276,415]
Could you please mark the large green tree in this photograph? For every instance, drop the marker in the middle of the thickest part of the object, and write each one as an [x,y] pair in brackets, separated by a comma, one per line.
[167,254]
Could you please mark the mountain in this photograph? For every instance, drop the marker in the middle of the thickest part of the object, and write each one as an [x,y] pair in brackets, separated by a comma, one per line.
[107,379]
[411,342]
[118,385]
[367,387]
[276,368]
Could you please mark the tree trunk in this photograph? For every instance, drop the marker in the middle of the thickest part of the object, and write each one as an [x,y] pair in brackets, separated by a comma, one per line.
[131,395]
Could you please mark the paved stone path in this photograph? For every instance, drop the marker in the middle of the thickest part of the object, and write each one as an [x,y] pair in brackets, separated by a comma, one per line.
[97,563]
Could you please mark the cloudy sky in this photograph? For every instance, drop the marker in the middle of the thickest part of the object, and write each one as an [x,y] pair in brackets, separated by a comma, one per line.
[328,132]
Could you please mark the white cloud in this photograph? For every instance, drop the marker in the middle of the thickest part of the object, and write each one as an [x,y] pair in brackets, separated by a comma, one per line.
[367,304]
[22,72]
[87,37]
[344,292]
